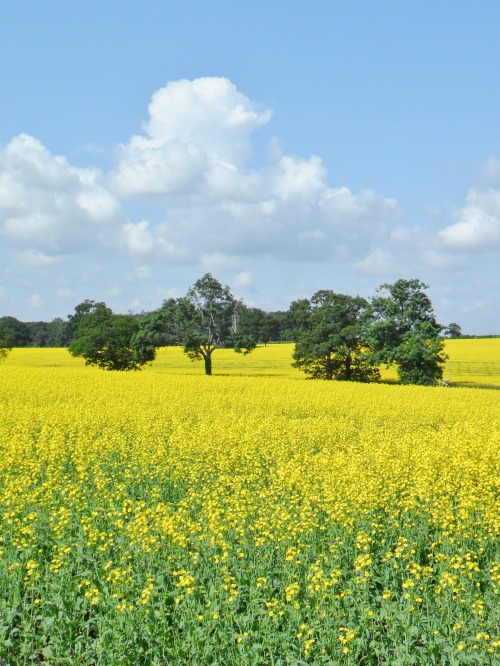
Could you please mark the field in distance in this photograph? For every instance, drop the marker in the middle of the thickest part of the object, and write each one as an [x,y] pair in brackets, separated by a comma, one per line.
[471,362]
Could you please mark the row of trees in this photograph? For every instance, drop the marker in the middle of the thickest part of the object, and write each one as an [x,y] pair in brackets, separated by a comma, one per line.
[264,327]
[207,318]
[348,338]
[36,333]
[336,336]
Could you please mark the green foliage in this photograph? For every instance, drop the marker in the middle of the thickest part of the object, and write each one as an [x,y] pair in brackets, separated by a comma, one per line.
[87,307]
[162,326]
[329,337]
[404,331]
[36,333]
[453,330]
[263,327]
[112,342]
[207,319]
[6,343]
[18,331]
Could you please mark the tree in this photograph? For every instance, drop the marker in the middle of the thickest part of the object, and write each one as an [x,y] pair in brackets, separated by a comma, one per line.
[250,322]
[207,319]
[57,333]
[6,343]
[18,330]
[39,333]
[328,334]
[404,331]
[453,331]
[81,310]
[162,327]
[110,341]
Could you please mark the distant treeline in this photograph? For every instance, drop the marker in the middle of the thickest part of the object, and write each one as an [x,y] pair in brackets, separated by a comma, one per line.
[264,326]
[474,337]
[55,333]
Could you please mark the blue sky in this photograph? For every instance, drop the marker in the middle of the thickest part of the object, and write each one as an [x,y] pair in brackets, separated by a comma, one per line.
[285,147]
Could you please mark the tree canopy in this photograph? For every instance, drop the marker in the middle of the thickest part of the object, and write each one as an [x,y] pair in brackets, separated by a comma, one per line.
[404,331]
[109,341]
[453,330]
[6,343]
[328,332]
[207,319]
[337,336]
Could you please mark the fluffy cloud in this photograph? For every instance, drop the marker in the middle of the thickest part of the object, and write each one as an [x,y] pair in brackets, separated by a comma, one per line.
[193,157]
[478,226]
[142,241]
[243,280]
[204,204]
[377,262]
[36,301]
[47,205]
[194,127]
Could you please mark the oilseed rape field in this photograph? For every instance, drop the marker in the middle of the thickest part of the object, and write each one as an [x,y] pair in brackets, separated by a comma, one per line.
[251,517]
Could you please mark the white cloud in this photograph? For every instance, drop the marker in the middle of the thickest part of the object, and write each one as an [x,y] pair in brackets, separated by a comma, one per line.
[243,280]
[299,179]
[435,258]
[192,201]
[194,127]
[143,273]
[378,262]
[47,205]
[114,291]
[203,204]
[194,152]
[478,226]
[138,238]
[220,262]
[207,112]
[142,240]
[36,301]
[36,258]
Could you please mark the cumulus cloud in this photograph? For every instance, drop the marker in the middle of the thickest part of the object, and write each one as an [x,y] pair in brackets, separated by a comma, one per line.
[377,262]
[194,127]
[203,200]
[36,301]
[194,154]
[243,280]
[47,205]
[478,226]
[142,240]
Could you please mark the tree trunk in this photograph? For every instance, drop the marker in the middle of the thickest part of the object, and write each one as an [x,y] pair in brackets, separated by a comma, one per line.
[329,368]
[208,364]
[348,367]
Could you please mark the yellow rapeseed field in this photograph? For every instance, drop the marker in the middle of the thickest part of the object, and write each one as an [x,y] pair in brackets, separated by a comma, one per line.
[165,517]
